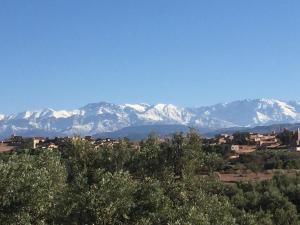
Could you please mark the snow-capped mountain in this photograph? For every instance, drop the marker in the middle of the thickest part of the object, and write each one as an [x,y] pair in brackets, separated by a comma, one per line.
[254,112]
[107,117]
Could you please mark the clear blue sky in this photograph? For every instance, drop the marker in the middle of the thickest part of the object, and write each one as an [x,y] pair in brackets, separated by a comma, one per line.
[64,54]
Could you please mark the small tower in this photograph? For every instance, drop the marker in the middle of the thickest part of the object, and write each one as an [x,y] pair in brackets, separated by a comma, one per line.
[35,141]
[298,137]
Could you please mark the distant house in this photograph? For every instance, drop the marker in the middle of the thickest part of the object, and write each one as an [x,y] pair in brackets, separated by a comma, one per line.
[88,138]
[223,139]
[52,146]
[241,149]
[296,148]
[263,140]
[15,140]
[296,145]
[298,137]
[36,141]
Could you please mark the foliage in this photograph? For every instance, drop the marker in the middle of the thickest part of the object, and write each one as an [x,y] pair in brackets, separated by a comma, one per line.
[269,159]
[241,138]
[30,188]
[286,137]
[159,183]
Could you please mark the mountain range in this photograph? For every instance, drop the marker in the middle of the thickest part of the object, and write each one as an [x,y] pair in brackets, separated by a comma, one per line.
[100,118]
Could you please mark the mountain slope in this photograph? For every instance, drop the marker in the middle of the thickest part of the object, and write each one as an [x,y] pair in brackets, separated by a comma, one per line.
[254,112]
[107,117]
[142,132]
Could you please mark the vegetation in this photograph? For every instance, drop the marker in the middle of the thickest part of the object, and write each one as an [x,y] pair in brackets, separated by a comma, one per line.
[286,137]
[268,160]
[160,183]
[241,138]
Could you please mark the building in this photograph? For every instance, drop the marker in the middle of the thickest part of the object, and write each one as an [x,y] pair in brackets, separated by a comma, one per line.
[52,146]
[296,148]
[298,137]
[15,140]
[36,141]
[241,149]
[223,139]
[264,140]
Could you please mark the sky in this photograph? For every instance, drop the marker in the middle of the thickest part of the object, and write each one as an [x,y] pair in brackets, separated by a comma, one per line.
[63,54]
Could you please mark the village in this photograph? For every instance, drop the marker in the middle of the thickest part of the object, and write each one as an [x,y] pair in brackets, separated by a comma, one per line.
[238,143]
[18,142]
[243,143]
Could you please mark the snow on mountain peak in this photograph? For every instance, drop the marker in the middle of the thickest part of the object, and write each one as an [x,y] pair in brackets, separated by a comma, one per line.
[104,117]
[2,116]
[278,108]
[268,101]
[137,107]
[261,118]
[27,114]
[165,112]
[160,106]
[63,114]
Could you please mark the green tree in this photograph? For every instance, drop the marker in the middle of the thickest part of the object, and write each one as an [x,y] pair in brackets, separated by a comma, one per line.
[111,198]
[286,137]
[241,138]
[30,188]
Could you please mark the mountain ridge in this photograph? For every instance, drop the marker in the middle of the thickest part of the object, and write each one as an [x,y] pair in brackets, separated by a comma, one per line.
[95,118]
[142,132]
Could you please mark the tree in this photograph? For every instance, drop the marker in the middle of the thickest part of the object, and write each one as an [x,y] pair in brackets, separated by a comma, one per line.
[286,137]
[148,161]
[192,205]
[110,198]
[241,138]
[152,204]
[184,155]
[30,188]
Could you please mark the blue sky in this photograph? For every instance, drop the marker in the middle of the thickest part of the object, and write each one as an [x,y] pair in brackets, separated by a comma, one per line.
[64,54]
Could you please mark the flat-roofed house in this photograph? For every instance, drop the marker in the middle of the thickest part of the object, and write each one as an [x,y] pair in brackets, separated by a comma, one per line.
[240,149]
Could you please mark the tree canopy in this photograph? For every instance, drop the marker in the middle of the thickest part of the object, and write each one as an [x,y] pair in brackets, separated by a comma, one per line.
[159,183]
